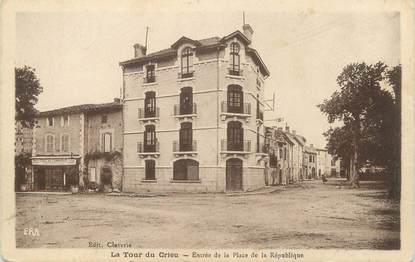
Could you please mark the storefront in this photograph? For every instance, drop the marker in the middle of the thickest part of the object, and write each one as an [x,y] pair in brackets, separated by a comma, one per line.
[54,173]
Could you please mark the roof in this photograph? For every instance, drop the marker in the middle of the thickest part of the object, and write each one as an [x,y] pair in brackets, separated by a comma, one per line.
[311,150]
[85,108]
[200,45]
[301,140]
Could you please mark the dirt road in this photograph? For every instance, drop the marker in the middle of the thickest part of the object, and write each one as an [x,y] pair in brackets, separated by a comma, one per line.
[309,215]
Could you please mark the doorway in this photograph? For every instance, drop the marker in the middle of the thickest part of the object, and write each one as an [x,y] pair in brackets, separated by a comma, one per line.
[234,174]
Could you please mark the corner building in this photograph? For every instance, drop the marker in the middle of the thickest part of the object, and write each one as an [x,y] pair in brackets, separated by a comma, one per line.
[193,116]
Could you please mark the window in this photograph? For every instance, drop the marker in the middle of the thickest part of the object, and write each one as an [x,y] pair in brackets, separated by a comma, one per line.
[150,139]
[150,170]
[65,121]
[186,136]
[151,73]
[235,134]
[187,63]
[50,121]
[50,142]
[65,143]
[333,162]
[106,142]
[235,99]
[235,60]
[150,104]
[186,169]
[186,101]
[104,119]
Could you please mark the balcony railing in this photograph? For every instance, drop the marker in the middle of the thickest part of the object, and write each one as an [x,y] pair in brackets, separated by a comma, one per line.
[190,109]
[234,72]
[262,148]
[238,146]
[146,113]
[186,74]
[148,148]
[260,115]
[184,147]
[149,79]
[244,108]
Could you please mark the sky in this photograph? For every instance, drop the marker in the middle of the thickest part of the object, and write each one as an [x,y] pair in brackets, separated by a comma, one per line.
[76,54]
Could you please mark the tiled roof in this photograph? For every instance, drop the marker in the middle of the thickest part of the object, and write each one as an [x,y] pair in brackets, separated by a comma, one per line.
[85,108]
[203,43]
[311,150]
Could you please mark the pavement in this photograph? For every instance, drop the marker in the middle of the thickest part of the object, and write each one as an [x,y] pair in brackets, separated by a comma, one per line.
[306,215]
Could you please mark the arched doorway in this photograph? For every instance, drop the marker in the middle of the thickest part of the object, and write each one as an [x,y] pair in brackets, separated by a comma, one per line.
[106,176]
[234,174]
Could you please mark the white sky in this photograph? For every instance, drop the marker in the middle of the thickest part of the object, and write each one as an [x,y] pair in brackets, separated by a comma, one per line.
[76,55]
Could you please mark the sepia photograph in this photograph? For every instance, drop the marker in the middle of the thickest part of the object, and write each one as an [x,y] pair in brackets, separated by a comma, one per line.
[241,134]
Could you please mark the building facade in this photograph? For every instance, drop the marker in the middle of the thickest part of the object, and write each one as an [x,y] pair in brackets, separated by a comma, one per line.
[193,116]
[60,145]
[323,162]
[310,159]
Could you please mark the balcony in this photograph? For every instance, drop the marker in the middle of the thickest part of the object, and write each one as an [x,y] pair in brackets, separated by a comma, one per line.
[186,75]
[148,115]
[259,116]
[148,150]
[149,80]
[182,149]
[235,148]
[234,72]
[261,151]
[235,111]
[187,111]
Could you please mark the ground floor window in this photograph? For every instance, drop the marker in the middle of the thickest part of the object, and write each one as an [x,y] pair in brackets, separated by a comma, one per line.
[186,169]
[150,170]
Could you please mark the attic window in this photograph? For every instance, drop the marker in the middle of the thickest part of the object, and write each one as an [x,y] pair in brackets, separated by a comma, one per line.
[235,59]
[187,63]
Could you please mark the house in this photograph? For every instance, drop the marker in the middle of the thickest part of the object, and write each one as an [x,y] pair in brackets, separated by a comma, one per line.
[310,159]
[63,140]
[296,153]
[323,162]
[193,116]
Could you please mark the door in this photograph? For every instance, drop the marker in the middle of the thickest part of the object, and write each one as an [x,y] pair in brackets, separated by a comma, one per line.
[186,101]
[54,179]
[235,134]
[41,181]
[106,176]
[234,175]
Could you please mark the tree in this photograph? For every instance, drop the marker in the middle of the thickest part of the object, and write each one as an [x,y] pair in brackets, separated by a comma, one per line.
[355,105]
[28,89]
[394,77]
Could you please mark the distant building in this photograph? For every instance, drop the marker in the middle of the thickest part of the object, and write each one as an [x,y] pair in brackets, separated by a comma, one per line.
[323,162]
[65,138]
[193,116]
[310,159]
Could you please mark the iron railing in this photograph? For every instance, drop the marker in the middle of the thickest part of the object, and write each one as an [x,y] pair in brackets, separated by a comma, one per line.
[148,113]
[237,146]
[184,147]
[186,74]
[244,108]
[235,72]
[149,79]
[181,109]
[148,148]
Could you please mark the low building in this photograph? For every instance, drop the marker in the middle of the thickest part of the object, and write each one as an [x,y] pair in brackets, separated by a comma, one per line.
[63,137]
[323,162]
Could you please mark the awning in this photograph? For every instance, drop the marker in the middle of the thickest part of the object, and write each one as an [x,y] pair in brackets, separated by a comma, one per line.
[53,161]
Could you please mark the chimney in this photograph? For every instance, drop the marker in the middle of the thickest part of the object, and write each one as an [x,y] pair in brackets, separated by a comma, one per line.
[139,51]
[287,129]
[294,132]
[248,31]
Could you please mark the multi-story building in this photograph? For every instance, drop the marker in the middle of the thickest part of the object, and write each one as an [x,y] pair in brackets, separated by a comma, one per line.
[310,158]
[193,116]
[323,162]
[296,153]
[67,139]
[280,157]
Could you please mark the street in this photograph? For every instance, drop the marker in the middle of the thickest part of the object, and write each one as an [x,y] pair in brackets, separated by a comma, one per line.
[305,215]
